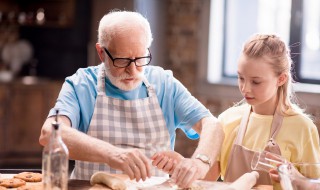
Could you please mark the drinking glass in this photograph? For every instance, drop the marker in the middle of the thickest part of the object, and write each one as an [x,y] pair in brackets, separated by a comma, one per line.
[265,161]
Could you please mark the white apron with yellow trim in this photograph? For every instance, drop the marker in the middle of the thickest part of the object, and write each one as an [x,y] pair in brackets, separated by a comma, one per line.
[127,124]
[239,161]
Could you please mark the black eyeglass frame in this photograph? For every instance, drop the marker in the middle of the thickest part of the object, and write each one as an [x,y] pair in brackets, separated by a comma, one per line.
[129,59]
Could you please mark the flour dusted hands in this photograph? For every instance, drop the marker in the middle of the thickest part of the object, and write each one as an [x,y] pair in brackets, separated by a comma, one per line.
[166,160]
[188,170]
[131,161]
[184,171]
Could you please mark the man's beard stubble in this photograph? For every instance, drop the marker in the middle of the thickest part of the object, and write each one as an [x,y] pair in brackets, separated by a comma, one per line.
[116,81]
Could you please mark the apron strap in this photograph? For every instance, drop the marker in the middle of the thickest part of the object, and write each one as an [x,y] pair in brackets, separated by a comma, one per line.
[243,126]
[276,124]
[101,80]
[150,90]
[272,145]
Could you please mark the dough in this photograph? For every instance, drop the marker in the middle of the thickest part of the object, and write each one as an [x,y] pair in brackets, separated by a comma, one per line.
[109,180]
[246,181]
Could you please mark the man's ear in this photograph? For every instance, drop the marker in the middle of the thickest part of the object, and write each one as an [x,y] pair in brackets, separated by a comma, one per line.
[100,52]
[283,77]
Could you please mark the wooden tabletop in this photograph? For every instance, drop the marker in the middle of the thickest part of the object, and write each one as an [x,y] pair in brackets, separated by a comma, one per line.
[72,184]
[132,185]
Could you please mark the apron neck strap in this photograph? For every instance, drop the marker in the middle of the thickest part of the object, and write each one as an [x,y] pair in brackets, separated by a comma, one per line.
[243,126]
[101,81]
[275,126]
[150,90]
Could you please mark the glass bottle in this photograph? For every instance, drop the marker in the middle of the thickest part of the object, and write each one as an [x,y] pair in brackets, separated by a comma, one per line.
[55,160]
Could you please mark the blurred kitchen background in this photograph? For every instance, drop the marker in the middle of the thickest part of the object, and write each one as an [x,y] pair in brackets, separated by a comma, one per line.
[43,41]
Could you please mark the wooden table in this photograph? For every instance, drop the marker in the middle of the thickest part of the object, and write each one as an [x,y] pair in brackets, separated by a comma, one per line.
[132,185]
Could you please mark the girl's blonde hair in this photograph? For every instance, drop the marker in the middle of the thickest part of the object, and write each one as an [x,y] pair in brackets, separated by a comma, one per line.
[272,48]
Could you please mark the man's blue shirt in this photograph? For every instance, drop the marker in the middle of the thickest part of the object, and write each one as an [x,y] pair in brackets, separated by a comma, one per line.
[180,109]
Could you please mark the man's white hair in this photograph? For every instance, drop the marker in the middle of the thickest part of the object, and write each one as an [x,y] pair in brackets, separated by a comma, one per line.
[116,22]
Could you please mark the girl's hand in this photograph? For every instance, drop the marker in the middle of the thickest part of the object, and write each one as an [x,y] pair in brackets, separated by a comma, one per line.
[166,160]
[274,175]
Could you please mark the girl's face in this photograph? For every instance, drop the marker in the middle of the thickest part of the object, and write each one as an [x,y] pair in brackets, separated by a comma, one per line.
[258,84]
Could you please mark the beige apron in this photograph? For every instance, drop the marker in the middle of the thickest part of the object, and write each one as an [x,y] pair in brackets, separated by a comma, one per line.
[239,161]
[127,124]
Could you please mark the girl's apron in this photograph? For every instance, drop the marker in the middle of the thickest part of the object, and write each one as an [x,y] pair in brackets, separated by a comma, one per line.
[239,161]
[126,124]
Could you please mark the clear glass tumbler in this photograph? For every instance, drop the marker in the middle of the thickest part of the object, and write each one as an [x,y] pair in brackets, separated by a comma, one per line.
[265,161]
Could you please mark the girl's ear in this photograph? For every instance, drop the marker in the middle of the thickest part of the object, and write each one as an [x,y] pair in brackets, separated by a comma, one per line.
[282,79]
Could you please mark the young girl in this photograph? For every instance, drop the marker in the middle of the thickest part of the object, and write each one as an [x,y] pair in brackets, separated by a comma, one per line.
[266,119]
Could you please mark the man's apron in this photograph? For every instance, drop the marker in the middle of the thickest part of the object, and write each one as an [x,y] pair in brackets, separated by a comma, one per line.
[127,124]
[239,161]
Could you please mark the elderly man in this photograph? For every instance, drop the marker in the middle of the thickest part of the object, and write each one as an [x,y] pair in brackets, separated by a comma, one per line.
[116,115]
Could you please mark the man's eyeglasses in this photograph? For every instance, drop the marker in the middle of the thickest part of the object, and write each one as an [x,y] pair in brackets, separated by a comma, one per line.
[125,62]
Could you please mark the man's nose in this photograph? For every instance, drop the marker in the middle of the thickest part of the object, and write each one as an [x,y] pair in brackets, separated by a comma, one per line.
[131,67]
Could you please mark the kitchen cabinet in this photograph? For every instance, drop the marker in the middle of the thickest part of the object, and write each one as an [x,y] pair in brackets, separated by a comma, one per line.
[3,98]
[24,106]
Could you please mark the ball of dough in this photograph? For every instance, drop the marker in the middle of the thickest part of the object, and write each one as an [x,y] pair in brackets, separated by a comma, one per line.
[109,180]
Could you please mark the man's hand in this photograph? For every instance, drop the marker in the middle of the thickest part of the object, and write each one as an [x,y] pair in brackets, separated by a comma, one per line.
[166,160]
[189,170]
[132,162]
